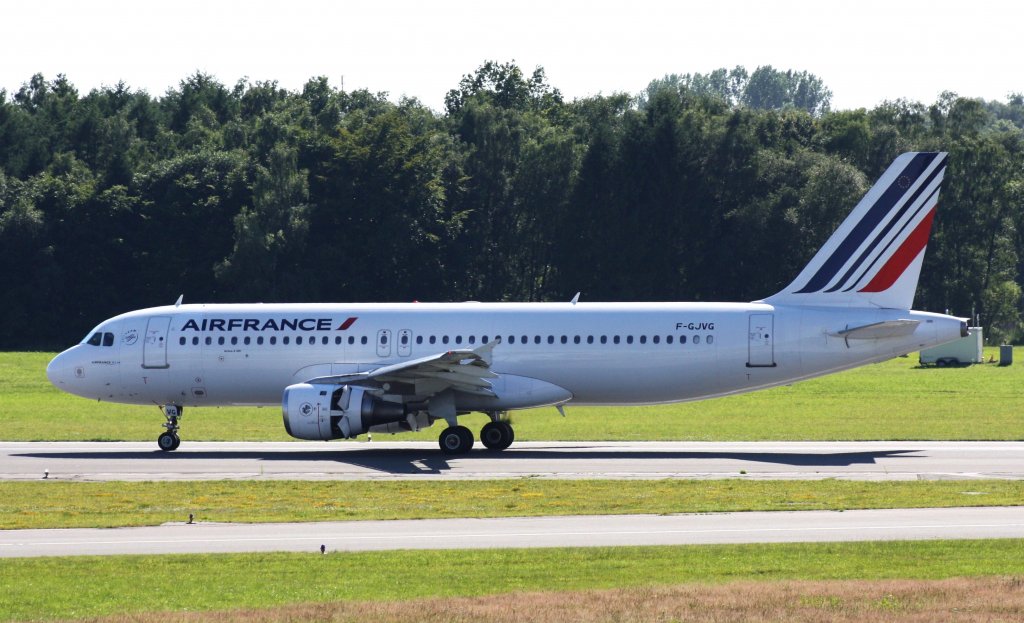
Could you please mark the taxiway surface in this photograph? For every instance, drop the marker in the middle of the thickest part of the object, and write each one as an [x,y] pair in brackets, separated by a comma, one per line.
[890,460]
[573,531]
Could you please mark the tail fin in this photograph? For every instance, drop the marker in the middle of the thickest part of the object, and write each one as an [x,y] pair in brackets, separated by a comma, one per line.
[874,258]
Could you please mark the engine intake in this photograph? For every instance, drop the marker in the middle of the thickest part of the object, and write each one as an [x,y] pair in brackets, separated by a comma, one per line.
[335,412]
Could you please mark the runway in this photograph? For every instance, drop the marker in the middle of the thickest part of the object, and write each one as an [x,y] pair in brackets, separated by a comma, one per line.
[890,460]
[574,531]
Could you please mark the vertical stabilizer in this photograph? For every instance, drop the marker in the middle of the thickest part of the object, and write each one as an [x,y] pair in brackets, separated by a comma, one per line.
[874,258]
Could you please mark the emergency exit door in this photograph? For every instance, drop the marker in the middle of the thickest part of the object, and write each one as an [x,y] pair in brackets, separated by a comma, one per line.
[760,341]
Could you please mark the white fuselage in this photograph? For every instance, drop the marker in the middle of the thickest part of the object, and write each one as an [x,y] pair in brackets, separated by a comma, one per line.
[600,353]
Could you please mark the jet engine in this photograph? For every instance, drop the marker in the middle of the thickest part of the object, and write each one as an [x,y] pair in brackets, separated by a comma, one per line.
[335,412]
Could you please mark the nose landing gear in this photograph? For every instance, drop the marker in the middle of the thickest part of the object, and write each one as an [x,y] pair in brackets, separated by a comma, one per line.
[169,441]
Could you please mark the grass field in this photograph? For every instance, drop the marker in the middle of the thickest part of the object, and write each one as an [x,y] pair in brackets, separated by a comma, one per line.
[79,587]
[965,600]
[111,504]
[893,400]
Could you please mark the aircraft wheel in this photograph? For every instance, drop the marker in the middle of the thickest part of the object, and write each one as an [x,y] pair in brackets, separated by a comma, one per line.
[168,441]
[456,440]
[497,435]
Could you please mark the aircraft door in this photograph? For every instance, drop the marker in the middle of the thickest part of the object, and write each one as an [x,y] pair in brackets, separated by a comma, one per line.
[384,343]
[761,341]
[404,343]
[154,347]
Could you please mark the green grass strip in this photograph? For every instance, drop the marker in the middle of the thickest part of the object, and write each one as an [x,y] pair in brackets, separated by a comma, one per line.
[55,504]
[76,587]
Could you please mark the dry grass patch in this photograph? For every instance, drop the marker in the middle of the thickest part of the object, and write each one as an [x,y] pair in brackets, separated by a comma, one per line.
[837,601]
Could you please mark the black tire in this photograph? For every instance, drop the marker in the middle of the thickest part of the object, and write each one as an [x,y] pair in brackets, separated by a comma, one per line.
[941,363]
[168,442]
[455,440]
[177,441]
[497,435]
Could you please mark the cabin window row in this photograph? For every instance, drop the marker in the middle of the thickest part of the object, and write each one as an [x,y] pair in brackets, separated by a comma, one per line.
[444,339]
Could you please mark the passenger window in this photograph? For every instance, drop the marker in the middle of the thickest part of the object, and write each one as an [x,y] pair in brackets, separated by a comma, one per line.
[285,340]
[209,340]
[656,339]
[108,339]
[298,340]
[458,339]
[576,340]
[247,340]
[590,339]
[220,340]
[337,340]
[696,339]
[682,339]
[604,339]
[259,341]
[444,340]
[709,339]
[551,339]
[433,339]
[351,339]
[181,340]
[234,341]
[511,339]
[565,339]
[525,339]
[629,339]
[643,339]
[536,339]
[95,340]
[195,341]
[483,340]
[273,340]
[363,340]
[383,339]
[419,339]
[405,339]
[472,339]
[615,339]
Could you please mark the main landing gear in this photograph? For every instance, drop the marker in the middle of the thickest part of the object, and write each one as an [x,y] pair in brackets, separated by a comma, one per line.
[169,440]
[495,435]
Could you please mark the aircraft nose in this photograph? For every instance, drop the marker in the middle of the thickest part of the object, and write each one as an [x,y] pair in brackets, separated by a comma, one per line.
[55,370]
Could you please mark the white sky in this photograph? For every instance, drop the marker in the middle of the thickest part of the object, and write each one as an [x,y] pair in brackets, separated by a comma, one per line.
[866,51]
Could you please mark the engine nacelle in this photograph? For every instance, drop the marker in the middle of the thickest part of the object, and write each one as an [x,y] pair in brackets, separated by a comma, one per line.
[335,412]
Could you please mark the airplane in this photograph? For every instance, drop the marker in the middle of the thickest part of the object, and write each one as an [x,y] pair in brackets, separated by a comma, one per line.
[342,370]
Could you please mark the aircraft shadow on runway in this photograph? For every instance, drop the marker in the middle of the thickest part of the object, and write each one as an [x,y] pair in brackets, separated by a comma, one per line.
[428,461]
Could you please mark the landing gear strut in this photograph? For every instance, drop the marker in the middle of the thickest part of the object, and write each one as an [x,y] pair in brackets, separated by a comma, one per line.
[169,440]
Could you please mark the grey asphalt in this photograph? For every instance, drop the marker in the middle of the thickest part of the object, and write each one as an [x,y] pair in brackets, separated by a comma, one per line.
[574,531]
[889,460]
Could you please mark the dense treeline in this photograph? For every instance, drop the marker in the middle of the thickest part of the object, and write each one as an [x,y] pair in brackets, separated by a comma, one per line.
[704,187]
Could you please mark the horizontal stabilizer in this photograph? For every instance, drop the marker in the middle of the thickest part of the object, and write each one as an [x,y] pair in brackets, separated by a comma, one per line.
[879,330]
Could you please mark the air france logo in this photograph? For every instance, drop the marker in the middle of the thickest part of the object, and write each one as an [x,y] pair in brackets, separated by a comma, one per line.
[267,324]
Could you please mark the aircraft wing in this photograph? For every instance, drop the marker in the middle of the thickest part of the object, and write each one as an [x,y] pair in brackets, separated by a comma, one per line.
[466,371]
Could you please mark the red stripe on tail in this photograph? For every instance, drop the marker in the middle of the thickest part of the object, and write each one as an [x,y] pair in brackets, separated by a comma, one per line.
[911,247]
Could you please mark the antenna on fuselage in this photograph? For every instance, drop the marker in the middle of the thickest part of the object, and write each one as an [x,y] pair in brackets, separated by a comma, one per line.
[575,299]
[178,302]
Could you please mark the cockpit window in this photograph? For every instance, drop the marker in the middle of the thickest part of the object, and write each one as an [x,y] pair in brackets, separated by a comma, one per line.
[108,339]
[95,340]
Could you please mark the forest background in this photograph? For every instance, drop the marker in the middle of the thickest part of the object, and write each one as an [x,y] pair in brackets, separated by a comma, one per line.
[704,187]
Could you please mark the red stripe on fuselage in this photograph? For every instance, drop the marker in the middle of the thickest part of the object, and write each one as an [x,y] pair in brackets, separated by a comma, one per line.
[911,247]
[347,323]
